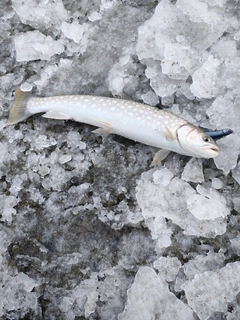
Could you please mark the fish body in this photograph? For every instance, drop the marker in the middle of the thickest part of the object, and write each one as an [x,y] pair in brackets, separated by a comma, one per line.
[130,119]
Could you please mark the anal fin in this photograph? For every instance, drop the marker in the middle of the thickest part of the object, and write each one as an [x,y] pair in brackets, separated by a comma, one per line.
[56,115]
[159,156]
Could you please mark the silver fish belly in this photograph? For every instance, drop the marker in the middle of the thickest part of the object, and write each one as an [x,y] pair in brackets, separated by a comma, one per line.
[133,120]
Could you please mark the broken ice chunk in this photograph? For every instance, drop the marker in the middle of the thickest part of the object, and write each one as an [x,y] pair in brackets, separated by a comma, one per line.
[94,16]
[7,203]
[193,171]
[163,176]
[200,214]
[217,183]
[211,291]
[33,45]
[208,205]
[150,98]
[168,267]
[64,158]
[41,13]
[205,79]
[149,298]
[74,30]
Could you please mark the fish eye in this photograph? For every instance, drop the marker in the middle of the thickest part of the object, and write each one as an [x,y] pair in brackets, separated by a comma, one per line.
[207,139]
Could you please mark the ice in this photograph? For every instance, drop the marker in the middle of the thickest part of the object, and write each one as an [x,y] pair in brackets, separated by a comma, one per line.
[167,267]
[11,300]
[175,45]
[94,16]
[201,212]
[150,98]
[206,286]
[118,77]
[201,264]
[17,184]
[208,204]
[149,295]
[87,229]
[74,30]
[217,183]
[7,205]
[34,45]
[205,78]
[193,171]
[83,297]
[163,177]
[27,87]
[65,158]
[218,117]
[42,13]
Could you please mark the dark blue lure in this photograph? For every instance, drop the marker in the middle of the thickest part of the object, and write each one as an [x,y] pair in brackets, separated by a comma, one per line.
[218,134]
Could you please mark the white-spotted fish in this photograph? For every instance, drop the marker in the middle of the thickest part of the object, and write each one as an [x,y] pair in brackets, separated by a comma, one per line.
[136,121]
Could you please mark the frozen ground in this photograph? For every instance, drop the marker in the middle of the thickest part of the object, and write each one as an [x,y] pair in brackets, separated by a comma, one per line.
[87,230]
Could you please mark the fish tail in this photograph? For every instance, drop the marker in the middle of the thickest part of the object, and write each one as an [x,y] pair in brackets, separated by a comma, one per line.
[19,109]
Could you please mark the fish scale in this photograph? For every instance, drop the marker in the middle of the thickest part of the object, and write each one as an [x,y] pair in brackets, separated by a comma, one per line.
[133,120]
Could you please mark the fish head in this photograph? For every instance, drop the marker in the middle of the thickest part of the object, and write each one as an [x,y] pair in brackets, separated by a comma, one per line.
[196,143]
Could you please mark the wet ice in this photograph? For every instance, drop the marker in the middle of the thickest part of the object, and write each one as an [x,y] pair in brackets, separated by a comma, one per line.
[87,229]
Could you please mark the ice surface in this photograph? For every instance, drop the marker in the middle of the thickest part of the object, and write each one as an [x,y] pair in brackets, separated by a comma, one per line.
[149,295]
[34,45]
[193,171]
[88,230]
[177,44]
[40,14]
[73,31]
[167,267]
[207,204]
[201,212]
[205,303]
[228,157]
[11,299]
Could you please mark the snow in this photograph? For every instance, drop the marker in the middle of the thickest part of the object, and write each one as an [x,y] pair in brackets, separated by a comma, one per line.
[88,230]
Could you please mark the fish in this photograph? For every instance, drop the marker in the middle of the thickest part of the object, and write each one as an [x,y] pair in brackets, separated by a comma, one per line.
[133,120]
[218,134]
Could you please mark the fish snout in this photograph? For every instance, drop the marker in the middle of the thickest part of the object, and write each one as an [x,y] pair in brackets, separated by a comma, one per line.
[211,150]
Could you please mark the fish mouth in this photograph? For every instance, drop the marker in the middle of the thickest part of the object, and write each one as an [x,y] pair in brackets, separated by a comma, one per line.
[215,149]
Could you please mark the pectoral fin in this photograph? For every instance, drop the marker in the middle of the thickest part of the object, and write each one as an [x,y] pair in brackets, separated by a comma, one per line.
[105,128]
[159,156]
[100,131]
[168,134]
[56,115]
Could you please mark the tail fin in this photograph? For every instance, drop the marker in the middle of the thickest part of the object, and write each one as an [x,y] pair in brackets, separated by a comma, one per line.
[19,110]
